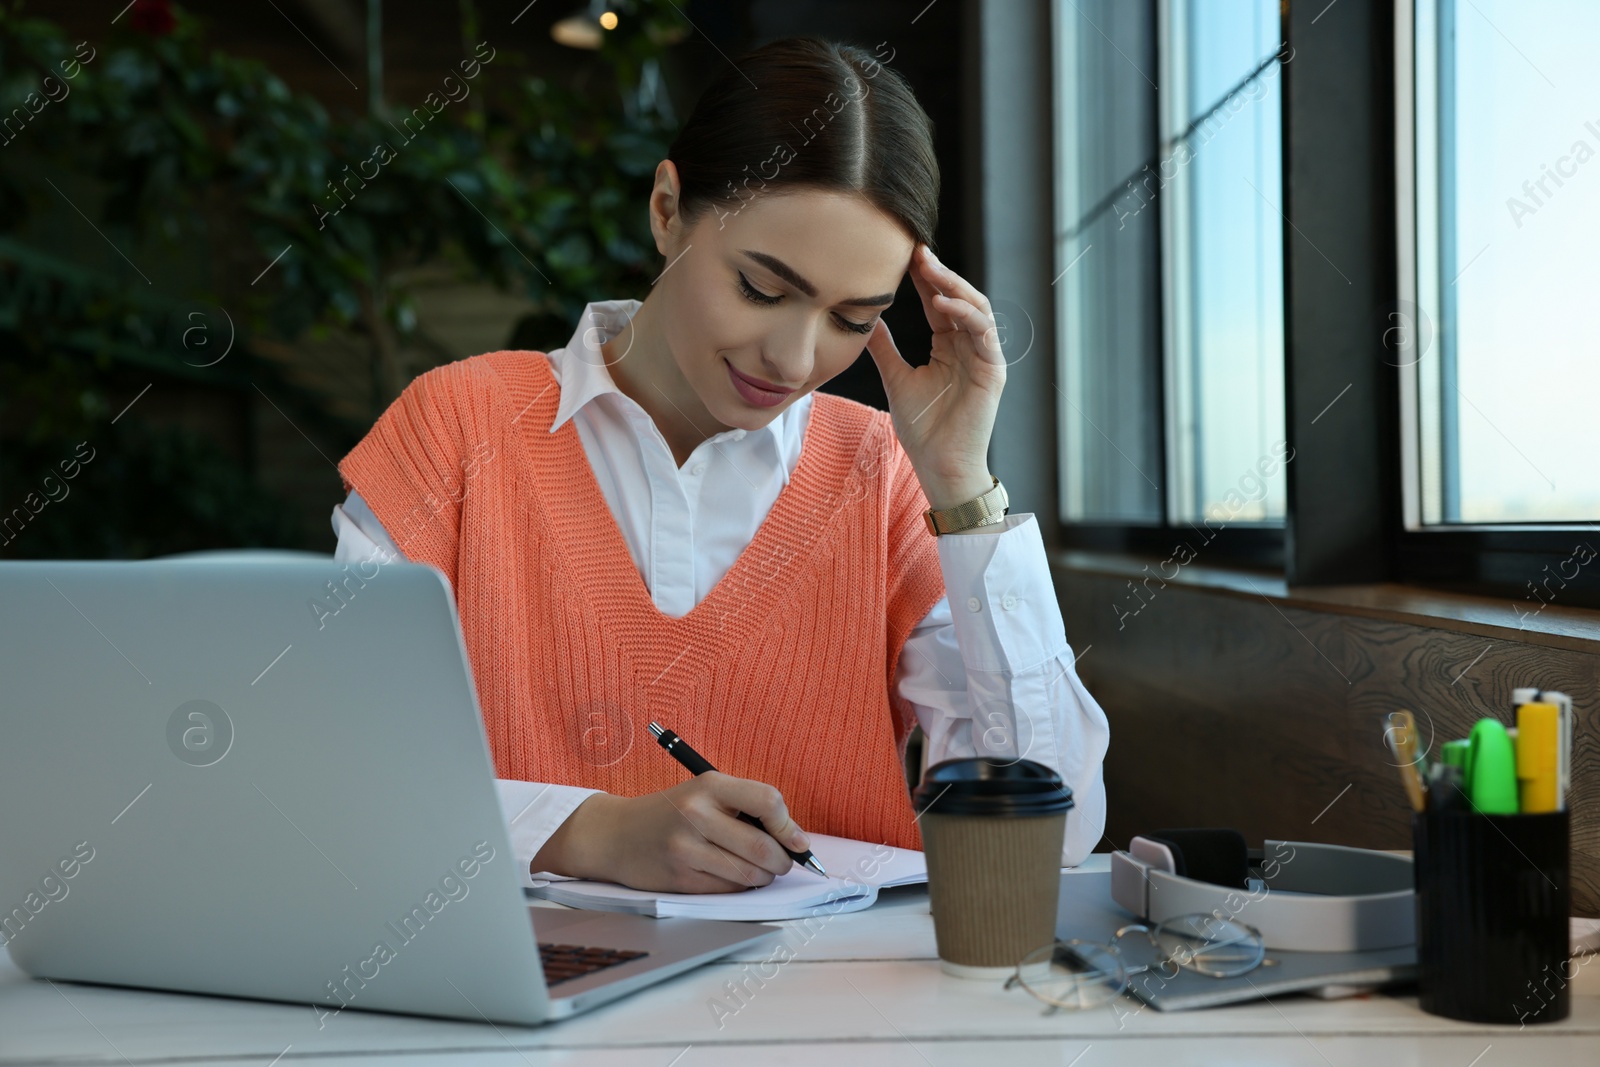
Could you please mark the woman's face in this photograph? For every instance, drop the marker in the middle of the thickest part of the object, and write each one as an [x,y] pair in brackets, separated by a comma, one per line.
[765,303]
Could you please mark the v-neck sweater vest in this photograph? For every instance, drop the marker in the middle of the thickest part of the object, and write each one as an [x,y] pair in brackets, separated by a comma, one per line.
[783,673]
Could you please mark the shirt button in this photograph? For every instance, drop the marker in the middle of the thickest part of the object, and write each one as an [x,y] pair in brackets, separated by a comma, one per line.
[698,469]
[974,604]
[1009,602]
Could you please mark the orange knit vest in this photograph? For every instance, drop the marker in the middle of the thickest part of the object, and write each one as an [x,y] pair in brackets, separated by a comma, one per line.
[783,673]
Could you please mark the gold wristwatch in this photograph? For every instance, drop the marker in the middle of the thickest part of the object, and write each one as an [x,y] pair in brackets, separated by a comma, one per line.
[989,508]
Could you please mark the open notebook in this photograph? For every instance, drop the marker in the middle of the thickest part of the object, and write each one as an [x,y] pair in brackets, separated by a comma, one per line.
[857,870]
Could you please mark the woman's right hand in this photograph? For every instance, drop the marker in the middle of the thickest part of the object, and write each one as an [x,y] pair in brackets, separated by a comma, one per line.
[687,839]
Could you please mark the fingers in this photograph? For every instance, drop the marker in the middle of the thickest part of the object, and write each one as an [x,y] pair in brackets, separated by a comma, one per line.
[754,851]
[762,801]
[952,302]
[881,347]
[950,283]
[705,867]
[679,840]
[742,852]
[978,323]
[923,275]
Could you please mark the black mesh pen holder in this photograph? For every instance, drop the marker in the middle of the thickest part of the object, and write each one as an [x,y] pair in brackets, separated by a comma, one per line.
[1493,897]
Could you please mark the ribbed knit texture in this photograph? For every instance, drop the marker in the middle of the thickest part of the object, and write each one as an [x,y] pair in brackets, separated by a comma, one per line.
[783,673]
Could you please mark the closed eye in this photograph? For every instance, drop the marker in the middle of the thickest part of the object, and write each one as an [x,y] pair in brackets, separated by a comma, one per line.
[756,296]
[855,327]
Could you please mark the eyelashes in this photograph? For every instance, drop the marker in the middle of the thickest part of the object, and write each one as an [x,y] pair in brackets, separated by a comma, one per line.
[856,327]
[755,296]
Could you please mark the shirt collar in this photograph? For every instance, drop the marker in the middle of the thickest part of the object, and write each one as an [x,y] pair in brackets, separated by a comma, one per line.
[582,374]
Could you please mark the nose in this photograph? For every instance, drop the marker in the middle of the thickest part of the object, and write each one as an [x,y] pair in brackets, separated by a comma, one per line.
[790,353]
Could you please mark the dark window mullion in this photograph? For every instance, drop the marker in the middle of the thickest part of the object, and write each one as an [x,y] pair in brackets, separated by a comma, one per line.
[1340,280]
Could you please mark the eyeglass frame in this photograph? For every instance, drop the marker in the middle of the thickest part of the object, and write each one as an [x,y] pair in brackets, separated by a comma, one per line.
[1128,974]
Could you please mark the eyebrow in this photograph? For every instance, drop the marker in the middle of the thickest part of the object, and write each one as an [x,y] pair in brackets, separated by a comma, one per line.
[792,276]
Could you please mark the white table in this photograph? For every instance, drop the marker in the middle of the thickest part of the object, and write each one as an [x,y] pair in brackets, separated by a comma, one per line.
[865,989]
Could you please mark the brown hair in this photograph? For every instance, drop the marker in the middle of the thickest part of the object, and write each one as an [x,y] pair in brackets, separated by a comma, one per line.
[807,112]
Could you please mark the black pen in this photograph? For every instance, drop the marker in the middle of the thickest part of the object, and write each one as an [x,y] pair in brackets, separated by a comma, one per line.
[697,765]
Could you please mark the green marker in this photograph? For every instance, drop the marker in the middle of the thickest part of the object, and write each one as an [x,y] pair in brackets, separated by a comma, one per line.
[1491,770]
[1454,753]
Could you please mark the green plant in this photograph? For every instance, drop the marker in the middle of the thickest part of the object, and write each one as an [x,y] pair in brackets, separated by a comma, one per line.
[196,170]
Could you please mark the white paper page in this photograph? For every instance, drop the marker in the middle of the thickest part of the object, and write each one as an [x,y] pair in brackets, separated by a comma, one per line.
[790,896]
[868,863]
[857,869]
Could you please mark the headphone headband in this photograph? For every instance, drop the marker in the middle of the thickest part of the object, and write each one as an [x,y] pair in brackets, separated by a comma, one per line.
[1309,898]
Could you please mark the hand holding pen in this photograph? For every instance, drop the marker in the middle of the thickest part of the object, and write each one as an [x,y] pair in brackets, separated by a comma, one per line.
[690,838]
[697,765]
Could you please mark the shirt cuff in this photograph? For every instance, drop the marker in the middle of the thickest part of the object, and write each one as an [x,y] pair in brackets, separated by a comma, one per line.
[1002,598]
[533,811]
[356,545]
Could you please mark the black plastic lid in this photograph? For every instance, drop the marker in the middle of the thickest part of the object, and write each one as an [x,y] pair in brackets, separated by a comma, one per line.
[979,785]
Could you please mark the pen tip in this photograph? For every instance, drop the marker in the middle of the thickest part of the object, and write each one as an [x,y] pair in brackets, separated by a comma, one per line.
[656,729]
[815,866]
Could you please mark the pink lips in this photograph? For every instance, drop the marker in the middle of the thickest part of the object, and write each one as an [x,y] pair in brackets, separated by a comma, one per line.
[755,391]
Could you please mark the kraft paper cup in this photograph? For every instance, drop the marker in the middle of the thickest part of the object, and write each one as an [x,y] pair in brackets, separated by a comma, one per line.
[992,831]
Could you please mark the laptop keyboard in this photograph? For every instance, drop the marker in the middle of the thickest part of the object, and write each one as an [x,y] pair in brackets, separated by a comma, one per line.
[562,963]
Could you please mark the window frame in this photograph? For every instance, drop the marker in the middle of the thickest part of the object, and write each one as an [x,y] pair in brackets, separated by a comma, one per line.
[1349,183]
[1493,559]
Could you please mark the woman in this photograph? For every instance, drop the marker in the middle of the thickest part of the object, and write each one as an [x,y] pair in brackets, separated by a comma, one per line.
[662,520]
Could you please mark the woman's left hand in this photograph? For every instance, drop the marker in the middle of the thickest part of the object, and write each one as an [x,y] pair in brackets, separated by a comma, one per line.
[944,411]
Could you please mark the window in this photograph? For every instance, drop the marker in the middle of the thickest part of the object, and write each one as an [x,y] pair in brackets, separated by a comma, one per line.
[1222,250]
[1502,375]
[1170,283]
[1436,161]
[1108,281]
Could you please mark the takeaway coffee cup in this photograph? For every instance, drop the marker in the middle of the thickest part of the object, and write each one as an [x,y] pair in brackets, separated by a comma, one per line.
[992,830]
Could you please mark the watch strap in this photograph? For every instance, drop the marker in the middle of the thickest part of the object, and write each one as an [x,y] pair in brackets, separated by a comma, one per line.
[982,510]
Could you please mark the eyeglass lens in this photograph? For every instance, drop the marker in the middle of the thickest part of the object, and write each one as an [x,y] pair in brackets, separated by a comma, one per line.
[1085,974]
[1222,948]
[1073,974]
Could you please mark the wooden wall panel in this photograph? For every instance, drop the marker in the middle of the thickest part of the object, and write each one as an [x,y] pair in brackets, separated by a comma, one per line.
[1231,709]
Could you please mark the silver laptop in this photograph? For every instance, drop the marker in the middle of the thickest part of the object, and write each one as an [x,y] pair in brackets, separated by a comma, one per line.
[266,775]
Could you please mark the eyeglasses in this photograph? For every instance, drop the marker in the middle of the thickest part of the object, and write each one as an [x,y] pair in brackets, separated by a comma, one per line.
[1089,974]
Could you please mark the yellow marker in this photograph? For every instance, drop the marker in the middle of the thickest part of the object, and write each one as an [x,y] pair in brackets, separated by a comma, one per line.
[1538,765]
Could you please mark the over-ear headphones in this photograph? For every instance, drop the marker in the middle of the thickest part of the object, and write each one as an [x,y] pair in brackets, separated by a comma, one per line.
[1218,856]
[1301,896]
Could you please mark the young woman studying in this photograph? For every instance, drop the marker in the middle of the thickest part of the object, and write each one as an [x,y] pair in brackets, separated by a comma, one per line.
[663,519]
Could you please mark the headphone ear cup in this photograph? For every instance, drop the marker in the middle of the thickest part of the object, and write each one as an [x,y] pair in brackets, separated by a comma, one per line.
[1179,867]
[1218,856]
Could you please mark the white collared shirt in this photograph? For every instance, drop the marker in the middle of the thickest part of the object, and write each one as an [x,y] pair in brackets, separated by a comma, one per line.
[1004,646]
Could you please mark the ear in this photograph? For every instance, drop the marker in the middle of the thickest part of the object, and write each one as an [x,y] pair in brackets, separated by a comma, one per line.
[665,218]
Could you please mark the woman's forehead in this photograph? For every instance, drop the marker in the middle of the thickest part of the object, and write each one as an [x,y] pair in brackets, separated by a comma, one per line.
[835,240]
